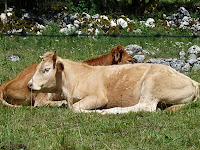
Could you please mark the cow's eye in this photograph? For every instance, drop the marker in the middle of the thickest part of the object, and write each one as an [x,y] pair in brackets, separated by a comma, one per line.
[129,61]
[46,70]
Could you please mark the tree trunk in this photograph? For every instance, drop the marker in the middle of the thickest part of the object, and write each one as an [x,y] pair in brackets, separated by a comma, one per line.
[6,6]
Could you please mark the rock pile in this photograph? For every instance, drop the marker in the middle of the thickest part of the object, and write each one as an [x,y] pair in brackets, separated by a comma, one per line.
[85,23]
[183,20]
[105,24]
[16,21]
[189,59]
[94,24]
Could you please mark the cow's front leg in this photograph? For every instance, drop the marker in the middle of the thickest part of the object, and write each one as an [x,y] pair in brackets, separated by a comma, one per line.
[89,104]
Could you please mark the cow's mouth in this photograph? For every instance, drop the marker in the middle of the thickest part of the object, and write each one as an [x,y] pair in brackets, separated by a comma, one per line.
[32,88]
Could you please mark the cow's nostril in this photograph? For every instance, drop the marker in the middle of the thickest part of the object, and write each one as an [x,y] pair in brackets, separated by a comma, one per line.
[30,85]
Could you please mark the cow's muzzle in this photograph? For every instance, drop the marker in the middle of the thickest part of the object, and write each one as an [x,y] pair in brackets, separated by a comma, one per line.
[32,87]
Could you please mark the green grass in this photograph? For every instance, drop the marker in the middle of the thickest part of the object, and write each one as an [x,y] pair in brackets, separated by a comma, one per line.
[59,128]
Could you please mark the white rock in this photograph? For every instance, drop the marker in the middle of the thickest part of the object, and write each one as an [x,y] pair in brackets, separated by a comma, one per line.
[176,66]
[96,32]
[139,58]
[67,29]
[95,16]
[90,30]
[187,19]
[142,22]
[9,14]
[194,49]
[10,9]
[196,27]
[98,20]
[40,26]
[192,58]
[182,54]
[122,23]
[76,22]
[79,32]
[112,23]
[137,31]
[76,25]
[132,49]
[184,11]
[86,16]
[104,17]
[38,33]
[196,66]
[26,15]
[186,67]
[13,58]
[184,23]
[150,23]
[75,16]
[90,25]
[3,18]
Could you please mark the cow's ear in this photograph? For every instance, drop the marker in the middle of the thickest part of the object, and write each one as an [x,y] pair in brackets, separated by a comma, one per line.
[54,59]
[120,48]
[60,66]
[113,51]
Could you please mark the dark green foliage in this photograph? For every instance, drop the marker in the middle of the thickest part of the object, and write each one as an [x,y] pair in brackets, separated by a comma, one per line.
[137,8]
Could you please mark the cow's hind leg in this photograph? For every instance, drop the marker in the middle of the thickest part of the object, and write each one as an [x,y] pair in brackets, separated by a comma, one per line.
[175,107]
[141,106]
[147,101]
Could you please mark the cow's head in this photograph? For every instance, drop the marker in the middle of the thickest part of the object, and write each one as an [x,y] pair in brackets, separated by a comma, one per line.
[120,56]
[47,74]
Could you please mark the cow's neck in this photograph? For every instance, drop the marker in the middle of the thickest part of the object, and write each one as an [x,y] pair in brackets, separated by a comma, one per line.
[72,75]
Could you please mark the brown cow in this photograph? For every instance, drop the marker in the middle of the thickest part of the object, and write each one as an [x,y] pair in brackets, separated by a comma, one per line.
[15,91]
[138,87]
[116,56]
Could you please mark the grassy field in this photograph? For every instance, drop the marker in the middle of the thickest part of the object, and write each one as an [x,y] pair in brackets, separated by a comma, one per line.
[59,128]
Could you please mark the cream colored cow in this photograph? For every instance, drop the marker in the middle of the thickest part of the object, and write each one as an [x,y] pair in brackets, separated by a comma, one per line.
[117,89]
[15,93]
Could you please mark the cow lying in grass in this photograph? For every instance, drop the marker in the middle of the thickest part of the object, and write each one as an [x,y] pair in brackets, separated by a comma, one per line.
[116,56]
[15,91]
[122,88]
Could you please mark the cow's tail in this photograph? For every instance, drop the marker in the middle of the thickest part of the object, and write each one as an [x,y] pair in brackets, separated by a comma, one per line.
[9,105]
